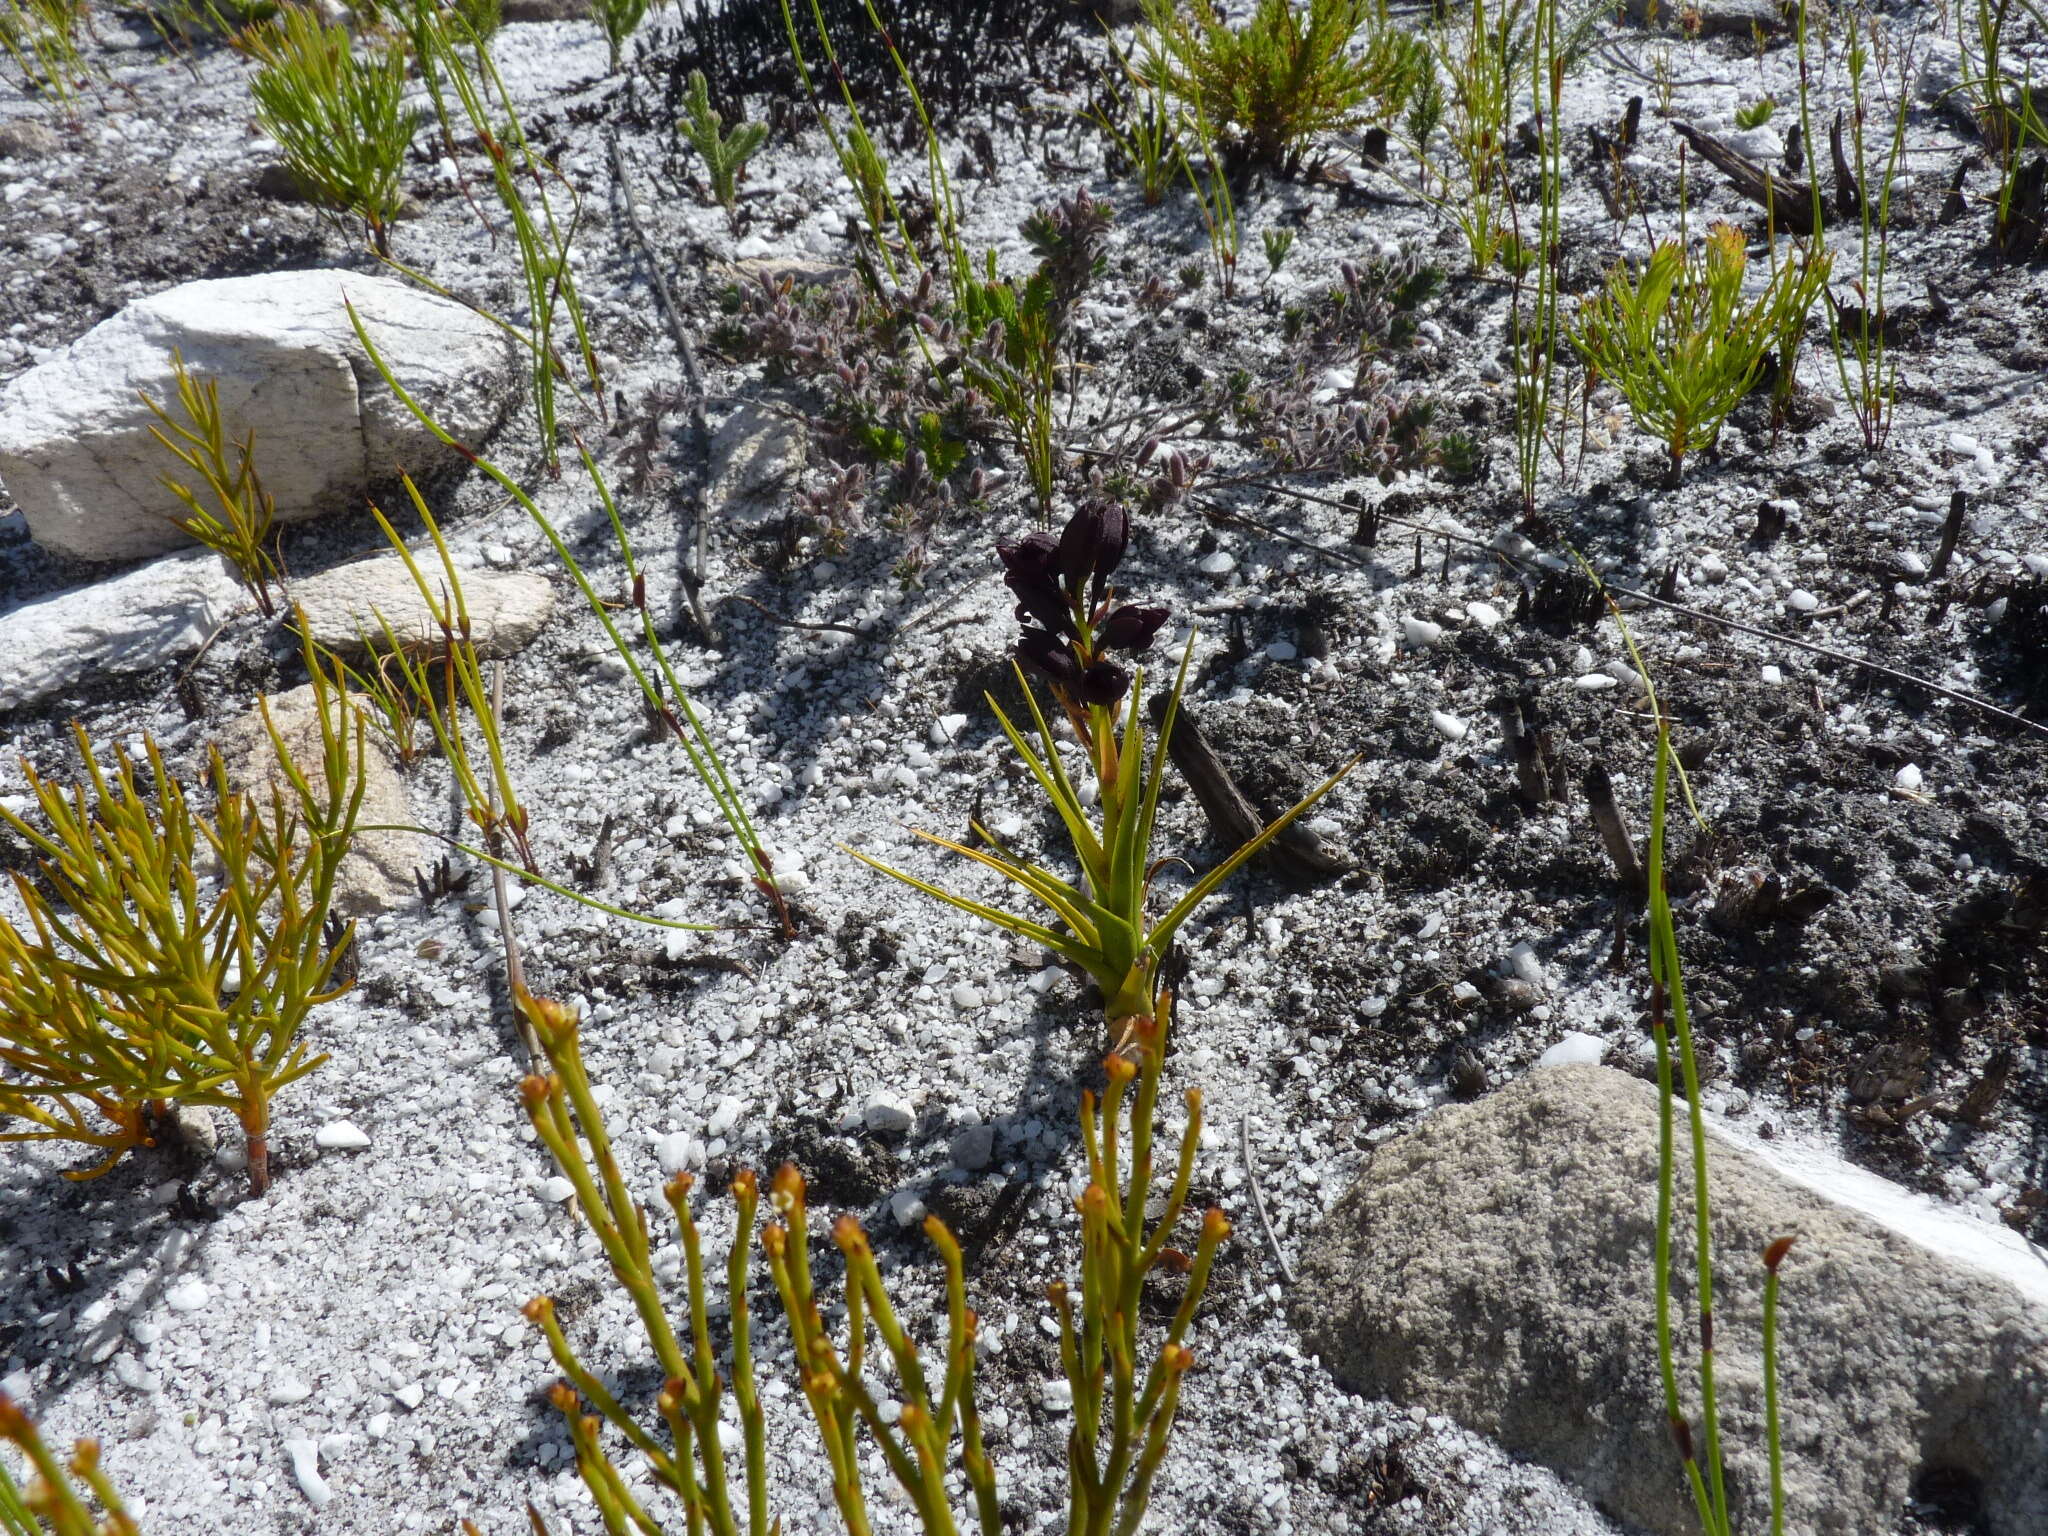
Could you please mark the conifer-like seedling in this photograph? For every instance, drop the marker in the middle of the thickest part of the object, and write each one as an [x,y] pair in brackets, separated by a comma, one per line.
[725,154]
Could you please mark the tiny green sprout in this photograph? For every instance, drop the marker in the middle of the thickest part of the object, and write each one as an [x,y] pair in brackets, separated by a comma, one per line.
[725,154]
[1756,114]
[1278,241]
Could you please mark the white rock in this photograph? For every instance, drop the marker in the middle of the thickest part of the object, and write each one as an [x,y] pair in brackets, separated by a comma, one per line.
[341,1136]
[379,1425]
[1908,778]
[1713,568]
[888,1115]
[672,1153]
[1576,1049]
[966,996]
[129,623]
[411,1395]
[556,1190]
[1281,650]
[1773,675]
[1593,682]
[1057,1395]
[187,1296]
[725,1116]
[305,1457]
[287,1390]
[343,605]
[907,1206]
[75,447]
[1802,601]
[1485,615]
[1221,563]
[946,729]
[973,1147]
[1420,633]
[1450,727]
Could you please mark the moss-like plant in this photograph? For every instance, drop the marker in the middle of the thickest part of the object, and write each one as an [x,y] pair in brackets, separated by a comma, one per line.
[142,979]
[1682,342]
[341,120]
[236,518]
[1290,75]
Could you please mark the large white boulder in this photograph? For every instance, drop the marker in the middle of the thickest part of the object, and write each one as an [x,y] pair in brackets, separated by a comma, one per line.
[76,452]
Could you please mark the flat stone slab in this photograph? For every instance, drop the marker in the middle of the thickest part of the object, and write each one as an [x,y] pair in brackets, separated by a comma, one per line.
[1494,1264]
[149,617]
[506,608]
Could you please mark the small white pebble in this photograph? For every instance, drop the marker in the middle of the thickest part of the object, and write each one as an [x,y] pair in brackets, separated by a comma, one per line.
[411,1395]
[1773,675]
[1420,633]
[1221,563]
[907,1206]
[672,1152]
[966,996]
[287,1390]
[556,1190]
[1450,727]
[187,1296]
[1485,615]
[305,1457]
[887,1114]
[1057,1395]
[946,729]
[341,1136]
[1281,650]
[725,1116]
[1802,601]
[1574,1050]
[1908,778]
[1593,682]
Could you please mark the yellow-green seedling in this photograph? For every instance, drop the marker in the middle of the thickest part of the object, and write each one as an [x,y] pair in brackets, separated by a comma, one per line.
[1682,342]
[932,1408]
[1289,75]
[172,956]
[1123,1414]
[725,155]
[341,120]
[236,517]
[690,1463]
[60,1495]
[1076,625]
[440,683]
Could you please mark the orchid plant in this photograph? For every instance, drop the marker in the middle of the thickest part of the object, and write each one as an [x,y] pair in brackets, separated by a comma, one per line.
[1076,627]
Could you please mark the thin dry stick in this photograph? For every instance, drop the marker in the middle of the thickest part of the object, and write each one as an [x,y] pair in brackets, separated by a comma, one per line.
[1231,515]
[1251,1179]
[699,427]
[515,972]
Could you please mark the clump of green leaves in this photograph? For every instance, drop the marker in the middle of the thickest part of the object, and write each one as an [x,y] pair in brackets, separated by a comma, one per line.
[341,120]
[142,979]
[1680,340]
[725,154]
[1144,126]
[236,517]
[1290,75]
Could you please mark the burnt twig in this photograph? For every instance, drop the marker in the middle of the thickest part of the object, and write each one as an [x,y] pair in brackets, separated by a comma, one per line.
[1296,853]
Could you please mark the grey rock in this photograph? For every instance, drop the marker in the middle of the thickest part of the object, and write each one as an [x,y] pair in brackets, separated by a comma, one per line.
[1718,18]
[76,450]
[27,138]
[1494,1265]
[544,10]
[506,608]
[973,1147]
[141,619]
[377,875]
[755,456]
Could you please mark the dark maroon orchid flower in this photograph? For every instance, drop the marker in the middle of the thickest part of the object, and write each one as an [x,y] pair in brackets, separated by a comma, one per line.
[1064,600]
